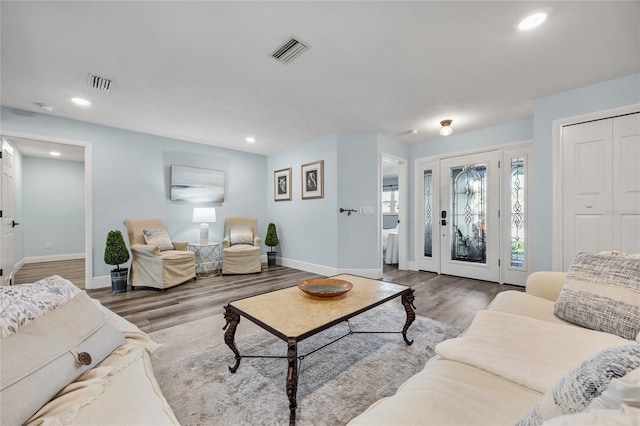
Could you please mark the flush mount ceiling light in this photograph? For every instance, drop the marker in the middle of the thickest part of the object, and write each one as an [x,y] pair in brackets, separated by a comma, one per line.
[80,101]
[414,131]
[446,129]
[45,107]
[532,21]
[250,139]
[54,153]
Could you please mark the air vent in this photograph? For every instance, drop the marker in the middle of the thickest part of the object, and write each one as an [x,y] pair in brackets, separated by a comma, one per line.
[289,51]
[100,83]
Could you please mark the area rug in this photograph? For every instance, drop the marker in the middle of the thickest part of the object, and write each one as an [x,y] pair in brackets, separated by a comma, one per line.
[335,384]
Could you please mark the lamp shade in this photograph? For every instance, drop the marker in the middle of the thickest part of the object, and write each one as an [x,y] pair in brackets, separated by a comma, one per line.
[204,215]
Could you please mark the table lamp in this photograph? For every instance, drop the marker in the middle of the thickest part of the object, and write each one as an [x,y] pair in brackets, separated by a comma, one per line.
[203,216]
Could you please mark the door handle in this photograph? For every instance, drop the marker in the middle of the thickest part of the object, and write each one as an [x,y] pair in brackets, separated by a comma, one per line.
[14,223]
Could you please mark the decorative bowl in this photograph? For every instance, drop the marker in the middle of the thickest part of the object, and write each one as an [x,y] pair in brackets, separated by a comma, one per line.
[325,287]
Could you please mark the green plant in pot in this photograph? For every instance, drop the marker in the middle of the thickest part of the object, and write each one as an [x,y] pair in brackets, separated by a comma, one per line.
[271,240]
[116,254]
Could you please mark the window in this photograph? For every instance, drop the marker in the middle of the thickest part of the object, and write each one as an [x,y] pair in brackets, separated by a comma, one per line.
[390,201]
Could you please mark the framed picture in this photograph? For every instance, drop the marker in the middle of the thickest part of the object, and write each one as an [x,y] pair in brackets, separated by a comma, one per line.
[313,180]
[282,185]
[196,185]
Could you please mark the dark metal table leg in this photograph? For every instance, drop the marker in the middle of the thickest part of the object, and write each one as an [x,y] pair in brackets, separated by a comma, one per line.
[292,379]
[232,318]
[407,302]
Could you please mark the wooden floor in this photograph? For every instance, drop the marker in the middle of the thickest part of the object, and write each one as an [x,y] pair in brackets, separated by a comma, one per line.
[73,270]
[448,299]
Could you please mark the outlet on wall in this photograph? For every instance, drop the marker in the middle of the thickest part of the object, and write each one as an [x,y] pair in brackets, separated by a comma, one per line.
[48,245]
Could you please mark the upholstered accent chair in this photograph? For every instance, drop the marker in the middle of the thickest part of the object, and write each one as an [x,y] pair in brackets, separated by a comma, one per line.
[241,246]
[157,261]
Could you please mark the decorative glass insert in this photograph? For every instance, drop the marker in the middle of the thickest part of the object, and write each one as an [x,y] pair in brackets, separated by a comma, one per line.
[469,213]
[428,213]
[517,213]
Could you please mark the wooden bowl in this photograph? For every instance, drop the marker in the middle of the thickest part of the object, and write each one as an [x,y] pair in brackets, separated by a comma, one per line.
[325,287]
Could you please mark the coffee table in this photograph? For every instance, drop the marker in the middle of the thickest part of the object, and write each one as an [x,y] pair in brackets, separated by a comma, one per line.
[294,316]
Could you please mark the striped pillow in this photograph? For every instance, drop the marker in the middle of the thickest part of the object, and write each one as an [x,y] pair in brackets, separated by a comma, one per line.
[577,389]
[602,292]
[158,238]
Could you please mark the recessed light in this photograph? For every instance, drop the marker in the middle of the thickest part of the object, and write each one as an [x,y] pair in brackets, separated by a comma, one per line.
[414,131]
[532,21]
[80,101]
[54,153]
[250,139]
[45,107]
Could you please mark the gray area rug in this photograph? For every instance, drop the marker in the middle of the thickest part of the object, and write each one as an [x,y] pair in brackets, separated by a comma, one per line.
[335,384]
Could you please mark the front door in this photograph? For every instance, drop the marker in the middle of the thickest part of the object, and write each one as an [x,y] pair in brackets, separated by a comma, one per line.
[469,209]
[6,252]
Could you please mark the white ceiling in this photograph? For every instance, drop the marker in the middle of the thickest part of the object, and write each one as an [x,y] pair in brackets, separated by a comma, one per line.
[202,71]
[35,148]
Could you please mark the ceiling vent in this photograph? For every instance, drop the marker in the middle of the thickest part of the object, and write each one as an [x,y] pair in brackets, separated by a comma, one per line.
[100,83]
[289,51]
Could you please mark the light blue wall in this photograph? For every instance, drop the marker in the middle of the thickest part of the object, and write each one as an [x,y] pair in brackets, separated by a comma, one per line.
[306,228]
[503,134]
[53,194]
[605,95]
[130,173]
[358,174]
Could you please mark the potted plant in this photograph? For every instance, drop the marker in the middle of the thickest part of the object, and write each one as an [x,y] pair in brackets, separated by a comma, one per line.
[116,253]
[271,240]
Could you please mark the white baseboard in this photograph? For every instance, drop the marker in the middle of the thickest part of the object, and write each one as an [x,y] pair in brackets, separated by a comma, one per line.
[101,282]
[328,271]
[53,258]
[18,265]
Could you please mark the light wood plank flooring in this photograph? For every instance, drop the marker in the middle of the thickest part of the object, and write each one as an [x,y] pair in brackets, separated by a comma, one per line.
[73,270]
[448,299]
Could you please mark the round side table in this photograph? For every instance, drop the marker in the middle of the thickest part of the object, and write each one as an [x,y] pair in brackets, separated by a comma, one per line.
[208,258]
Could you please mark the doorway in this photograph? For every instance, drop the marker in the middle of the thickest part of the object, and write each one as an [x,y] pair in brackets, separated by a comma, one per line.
[472,211]
[393,211]
[66,241]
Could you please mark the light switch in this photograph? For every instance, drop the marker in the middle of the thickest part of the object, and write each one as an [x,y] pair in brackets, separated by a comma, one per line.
[366,210]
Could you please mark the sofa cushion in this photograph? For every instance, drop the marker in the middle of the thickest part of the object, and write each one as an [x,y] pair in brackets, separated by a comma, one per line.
[157,238]
[20,304]
[47,354]
[602,292]
[241,235]
[576,390]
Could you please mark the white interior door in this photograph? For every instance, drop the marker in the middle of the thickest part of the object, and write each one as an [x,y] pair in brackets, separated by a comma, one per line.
[6,252]
[625,212]
[470,202]
[601,186]
[427,237]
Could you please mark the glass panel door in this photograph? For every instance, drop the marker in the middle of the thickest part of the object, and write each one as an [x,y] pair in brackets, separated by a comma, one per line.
[470,200]
[427,214]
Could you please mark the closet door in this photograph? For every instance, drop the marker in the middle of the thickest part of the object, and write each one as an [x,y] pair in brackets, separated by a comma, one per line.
[625,211]
[601,186]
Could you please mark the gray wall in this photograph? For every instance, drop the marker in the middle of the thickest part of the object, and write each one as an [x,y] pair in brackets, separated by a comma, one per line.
[53,202]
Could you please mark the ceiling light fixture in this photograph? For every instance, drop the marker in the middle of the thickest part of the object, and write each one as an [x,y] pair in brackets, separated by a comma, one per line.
[532,21]
[54,153]
[414,131]
[446,127]
[250,139]
[80,101]
[45,107]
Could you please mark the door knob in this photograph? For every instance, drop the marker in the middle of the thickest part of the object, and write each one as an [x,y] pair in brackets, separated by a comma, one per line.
[14,223]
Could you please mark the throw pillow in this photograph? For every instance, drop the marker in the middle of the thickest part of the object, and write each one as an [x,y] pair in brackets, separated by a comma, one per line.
[50,352]
[241,235]
[575,391]
[622,416]
[625,390]
[157,238]
[602,292]
[20,304]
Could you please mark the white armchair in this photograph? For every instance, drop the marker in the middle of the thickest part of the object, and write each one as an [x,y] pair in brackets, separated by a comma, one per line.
[162,265]
[241,246]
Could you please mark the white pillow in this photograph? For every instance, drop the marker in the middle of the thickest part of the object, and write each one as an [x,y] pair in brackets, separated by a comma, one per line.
[623,416]
[625,390]
[157,238]
[241,235]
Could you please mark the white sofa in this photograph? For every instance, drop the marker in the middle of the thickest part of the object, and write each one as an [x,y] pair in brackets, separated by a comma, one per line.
[513,357]
[46,327]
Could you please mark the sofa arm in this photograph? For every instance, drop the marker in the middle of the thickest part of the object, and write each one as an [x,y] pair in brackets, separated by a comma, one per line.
[180,245]
[226,243]
[256,241]
[546,284]
[145,250]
